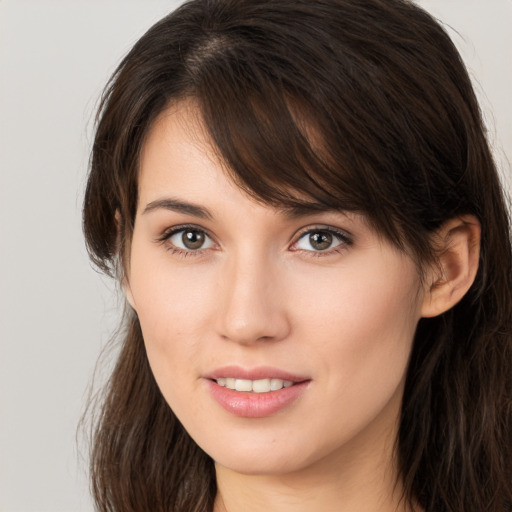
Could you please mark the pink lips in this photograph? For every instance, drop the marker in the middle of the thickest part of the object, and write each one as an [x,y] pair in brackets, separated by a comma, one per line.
[250,404]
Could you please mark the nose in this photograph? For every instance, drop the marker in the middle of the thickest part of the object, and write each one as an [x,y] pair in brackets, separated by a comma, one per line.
[252,305]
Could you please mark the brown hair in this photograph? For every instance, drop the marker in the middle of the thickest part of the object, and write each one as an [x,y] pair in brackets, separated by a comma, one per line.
[398,136]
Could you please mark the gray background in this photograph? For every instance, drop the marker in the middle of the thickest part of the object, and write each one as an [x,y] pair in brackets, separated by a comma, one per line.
[55,312]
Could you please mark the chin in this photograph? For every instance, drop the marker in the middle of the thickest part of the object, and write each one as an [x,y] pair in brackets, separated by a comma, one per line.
[267,457]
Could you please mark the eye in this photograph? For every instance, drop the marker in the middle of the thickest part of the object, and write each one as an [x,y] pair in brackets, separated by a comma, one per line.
[320,240]
[190,239]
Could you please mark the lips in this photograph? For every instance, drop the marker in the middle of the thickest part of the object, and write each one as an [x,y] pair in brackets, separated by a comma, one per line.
[257,392]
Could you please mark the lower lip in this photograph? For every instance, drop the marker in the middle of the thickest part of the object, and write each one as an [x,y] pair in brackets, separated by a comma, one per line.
[255,405]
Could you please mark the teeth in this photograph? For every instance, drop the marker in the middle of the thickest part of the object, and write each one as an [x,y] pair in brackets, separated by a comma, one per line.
[261,386]
[243,385]
[230,383]
[256,386]
[276,384]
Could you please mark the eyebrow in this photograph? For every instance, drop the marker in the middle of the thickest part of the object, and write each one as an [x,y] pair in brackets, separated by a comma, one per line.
[178,206]
[290,212]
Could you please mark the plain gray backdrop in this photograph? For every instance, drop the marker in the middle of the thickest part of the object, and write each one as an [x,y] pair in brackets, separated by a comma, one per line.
[55,312]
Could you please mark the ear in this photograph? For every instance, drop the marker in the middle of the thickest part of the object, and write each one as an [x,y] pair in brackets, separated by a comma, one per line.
[458,242]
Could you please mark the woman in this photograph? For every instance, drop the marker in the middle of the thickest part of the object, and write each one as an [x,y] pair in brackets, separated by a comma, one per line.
[303,211]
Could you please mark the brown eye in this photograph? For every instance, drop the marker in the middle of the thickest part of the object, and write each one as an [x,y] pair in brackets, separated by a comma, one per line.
[189,239]
[193,239]
[321,240]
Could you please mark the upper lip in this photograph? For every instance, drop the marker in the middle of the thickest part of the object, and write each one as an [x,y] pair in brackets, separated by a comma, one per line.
[256,373]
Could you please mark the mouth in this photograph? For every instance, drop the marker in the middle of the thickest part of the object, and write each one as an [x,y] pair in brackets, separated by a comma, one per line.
[255,392]
[254,386]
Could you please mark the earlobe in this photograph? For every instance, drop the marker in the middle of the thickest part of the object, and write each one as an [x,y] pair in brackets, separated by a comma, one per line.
[459,250]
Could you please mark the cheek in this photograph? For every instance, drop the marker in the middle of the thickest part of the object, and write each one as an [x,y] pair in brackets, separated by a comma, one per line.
[174,306]
[360,329]
[168,310]
[360,306]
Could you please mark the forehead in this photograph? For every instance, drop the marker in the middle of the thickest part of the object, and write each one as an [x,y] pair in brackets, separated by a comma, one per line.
[179,157]
[177,152]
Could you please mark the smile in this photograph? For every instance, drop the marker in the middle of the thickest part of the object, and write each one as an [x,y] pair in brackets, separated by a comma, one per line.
[254,386]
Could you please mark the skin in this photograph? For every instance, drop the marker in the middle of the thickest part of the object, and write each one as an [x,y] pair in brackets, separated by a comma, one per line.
[259,293]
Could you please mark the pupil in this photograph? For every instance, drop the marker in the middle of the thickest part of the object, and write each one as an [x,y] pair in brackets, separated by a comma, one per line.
[320,241]
[193,239]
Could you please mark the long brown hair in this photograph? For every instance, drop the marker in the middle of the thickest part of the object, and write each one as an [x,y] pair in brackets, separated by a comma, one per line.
[398,135]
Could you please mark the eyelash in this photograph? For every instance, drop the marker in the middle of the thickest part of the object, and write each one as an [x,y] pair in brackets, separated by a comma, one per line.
[343,237]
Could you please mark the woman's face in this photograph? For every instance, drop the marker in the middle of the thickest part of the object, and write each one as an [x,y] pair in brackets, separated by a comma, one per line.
[310,316]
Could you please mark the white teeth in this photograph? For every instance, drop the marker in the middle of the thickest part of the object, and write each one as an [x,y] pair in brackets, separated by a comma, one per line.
[261,386]
[243,385]
[276,384]
[256,386]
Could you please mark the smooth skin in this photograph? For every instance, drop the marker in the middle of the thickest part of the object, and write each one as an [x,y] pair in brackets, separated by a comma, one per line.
[218,279]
